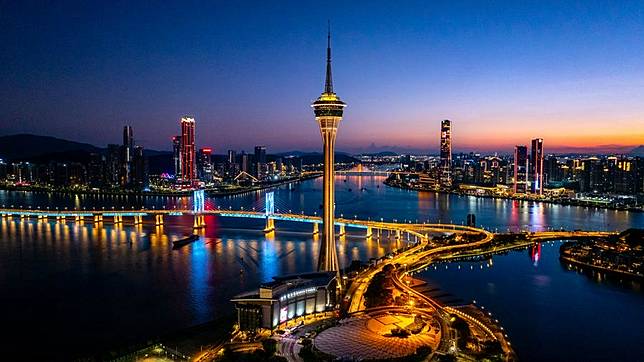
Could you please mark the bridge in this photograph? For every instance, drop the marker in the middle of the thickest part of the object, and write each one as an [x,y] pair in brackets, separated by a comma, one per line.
[361,170]
[372,228]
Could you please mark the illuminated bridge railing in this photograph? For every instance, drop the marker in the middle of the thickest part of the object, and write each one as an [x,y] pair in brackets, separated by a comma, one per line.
[47,213]
[411,228]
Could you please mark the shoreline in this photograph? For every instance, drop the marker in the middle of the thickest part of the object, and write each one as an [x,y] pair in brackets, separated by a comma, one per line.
[553,202]
[602,269]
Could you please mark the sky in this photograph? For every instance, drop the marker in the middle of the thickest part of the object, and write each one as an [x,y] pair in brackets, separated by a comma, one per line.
[570,72]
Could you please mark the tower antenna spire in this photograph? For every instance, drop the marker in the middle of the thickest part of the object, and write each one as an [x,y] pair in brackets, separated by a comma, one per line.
[328,85]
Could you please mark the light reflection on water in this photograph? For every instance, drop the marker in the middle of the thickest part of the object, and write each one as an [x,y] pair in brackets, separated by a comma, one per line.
[103,285]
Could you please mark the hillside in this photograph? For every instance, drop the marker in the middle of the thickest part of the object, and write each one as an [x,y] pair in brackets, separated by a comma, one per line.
[28,147]
[638,151]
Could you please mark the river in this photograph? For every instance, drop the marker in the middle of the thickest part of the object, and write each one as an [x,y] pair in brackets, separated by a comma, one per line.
[74,289]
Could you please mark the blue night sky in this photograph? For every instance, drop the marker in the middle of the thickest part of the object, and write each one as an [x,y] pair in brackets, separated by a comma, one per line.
[570,72]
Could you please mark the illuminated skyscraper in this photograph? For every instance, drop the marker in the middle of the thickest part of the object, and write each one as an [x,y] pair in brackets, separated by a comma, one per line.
[232,157]
[520,169]
[176,156]
[536,166]
[204,161]
[446,153]
[328,110]
[188,173]
[126,161]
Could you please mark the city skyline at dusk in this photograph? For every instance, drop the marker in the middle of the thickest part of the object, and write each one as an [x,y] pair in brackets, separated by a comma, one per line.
[569,74]
[322,181]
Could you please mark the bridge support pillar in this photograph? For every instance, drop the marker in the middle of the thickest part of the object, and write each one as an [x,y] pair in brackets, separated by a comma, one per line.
[270,225]
[158,220]
[343,230]
[200,222]
[369,232]
[316,228]
[77,218]
[397,234]
[138,219]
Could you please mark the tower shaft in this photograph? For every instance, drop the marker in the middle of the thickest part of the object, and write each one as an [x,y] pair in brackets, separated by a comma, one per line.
[328,110]
[328,259]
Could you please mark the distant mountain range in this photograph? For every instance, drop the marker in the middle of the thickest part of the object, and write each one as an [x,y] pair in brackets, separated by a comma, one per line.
[28,147]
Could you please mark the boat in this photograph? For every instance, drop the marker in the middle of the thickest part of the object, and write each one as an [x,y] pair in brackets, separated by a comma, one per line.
[185,241]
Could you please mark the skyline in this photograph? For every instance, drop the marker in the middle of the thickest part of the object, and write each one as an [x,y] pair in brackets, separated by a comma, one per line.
[502,77]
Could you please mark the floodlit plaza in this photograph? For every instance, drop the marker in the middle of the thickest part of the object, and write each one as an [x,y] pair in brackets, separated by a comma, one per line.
[374,336]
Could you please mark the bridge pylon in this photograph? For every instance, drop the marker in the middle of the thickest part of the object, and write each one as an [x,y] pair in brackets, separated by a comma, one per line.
[316,228]
[270,210]
[200,221]
[158,220]
[270,225]
[369,232]
[343,230]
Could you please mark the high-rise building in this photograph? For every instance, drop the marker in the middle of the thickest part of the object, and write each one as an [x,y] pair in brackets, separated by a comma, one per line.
[328,110]
[520,169]
[260,161]
[188,171]
[128,137]
[126,151]
[245,162]
[96,170]
[536,166]
[230,167]
[140,178]
[113,167]
[232,156]
[176,156]
[446,153]
[205,166]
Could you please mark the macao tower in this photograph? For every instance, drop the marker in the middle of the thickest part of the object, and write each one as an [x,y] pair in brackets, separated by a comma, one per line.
[328,110]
